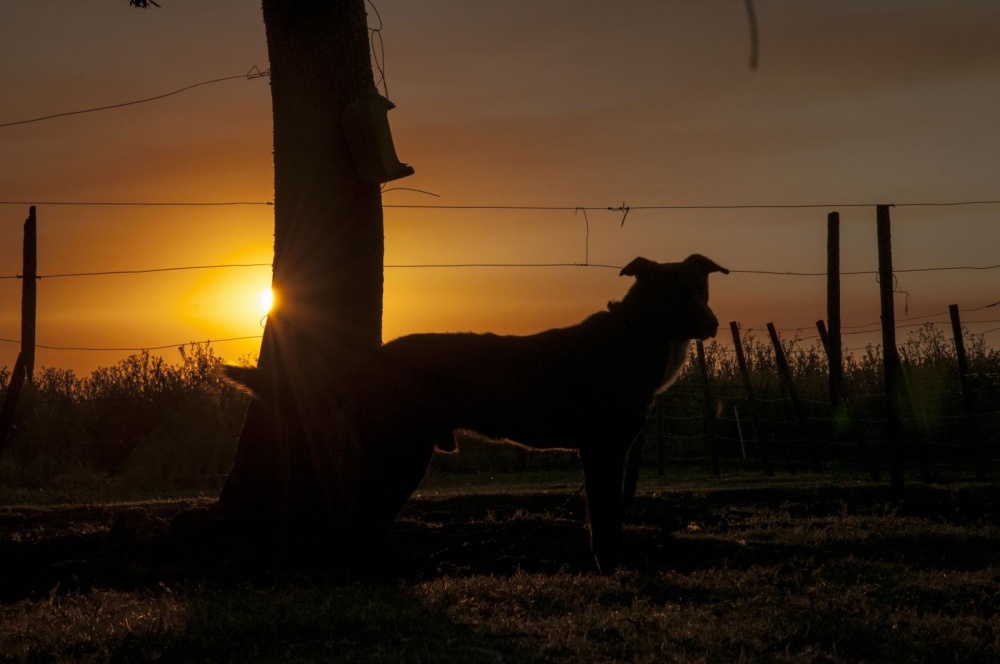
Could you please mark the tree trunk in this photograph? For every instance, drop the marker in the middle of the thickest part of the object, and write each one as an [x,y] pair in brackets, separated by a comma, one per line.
[295,472]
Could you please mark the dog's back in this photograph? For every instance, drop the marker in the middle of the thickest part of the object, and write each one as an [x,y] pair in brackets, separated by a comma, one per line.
[563,388]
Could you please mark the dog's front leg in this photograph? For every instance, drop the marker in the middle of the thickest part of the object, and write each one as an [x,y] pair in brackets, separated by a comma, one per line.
[602,472]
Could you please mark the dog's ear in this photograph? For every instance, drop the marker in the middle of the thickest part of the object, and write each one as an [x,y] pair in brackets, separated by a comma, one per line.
[637,267]
[702,264]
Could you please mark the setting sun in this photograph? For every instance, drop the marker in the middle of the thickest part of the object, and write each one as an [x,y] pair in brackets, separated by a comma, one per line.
[266,300]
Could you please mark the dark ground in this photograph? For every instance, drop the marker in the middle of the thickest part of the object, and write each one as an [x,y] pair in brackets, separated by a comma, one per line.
[803,569]
[132,545]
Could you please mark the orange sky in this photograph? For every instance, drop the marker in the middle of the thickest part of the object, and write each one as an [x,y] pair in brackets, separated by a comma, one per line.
[555,103]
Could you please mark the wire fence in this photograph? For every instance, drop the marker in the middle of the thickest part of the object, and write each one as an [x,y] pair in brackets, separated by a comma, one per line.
[803,332]
[126,428]
[143,424]
[741,432]
[118,426]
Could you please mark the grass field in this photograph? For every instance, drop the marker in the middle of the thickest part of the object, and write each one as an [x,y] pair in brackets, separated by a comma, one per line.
[740,568]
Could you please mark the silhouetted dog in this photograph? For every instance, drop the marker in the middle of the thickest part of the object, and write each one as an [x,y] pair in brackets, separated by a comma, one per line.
[584,387]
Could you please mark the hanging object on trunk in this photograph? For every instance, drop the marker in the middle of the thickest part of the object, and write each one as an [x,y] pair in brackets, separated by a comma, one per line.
[366,126]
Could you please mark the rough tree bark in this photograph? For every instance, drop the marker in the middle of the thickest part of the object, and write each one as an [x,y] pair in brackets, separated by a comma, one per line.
[295,472]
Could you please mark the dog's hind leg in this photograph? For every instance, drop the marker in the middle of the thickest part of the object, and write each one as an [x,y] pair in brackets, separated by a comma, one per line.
[602,472]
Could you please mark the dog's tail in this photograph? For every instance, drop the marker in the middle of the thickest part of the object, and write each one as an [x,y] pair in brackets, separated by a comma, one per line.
[248,378]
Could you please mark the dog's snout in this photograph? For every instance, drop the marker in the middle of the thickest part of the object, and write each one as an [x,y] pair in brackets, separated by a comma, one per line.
[711,325]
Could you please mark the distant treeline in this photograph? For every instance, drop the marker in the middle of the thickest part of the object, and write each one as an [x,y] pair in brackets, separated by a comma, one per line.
[164,426]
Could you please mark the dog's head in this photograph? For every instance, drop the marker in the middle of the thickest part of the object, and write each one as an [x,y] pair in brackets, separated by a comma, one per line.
[672,297]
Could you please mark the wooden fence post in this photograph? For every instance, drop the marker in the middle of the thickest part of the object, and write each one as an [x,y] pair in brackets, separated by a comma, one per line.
[765,455]
[25,364]
[834,352]
[848,413]
[706,391]
[971,430]
[831,339]
[785,374]
[29,291]
[10,401]
[891,365]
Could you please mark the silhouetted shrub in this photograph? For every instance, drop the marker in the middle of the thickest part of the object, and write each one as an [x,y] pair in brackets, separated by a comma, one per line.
[153,424]
[142,420]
